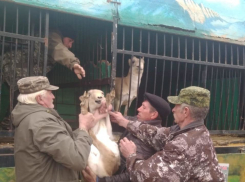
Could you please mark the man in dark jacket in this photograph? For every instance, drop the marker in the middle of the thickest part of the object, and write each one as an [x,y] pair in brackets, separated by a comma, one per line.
[185,151]
[45,147]
[153,111]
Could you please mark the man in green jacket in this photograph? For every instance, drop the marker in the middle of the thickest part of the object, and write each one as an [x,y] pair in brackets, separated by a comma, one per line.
[45,147]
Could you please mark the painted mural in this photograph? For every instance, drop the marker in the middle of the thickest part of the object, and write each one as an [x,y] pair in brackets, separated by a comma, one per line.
[219,19]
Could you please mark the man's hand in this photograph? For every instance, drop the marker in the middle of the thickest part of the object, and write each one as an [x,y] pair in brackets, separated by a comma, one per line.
[118,118]
[98,116]
[88,175]
[86,121]
[89,120]
[103,108]
[127,147]
[79,71]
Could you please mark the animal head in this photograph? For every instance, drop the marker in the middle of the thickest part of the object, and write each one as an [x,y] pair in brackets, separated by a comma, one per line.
[95,98]
[137,64]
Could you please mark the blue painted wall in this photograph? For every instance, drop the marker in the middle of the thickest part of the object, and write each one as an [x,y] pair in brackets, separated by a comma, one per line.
[215,19]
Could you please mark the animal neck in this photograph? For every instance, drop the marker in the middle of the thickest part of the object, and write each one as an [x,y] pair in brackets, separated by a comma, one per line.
[134,77]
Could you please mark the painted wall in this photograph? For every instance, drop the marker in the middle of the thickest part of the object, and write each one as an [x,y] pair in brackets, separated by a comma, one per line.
[216,19]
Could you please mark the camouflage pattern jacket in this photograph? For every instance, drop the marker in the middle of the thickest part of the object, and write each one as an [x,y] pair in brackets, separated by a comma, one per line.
[185,154]
[143,149]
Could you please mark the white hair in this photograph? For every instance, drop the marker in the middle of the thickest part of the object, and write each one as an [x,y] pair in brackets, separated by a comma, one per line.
[30,98]
[196,113]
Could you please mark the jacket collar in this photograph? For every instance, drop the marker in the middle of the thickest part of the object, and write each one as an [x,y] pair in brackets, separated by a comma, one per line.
[176,129]
[153,122]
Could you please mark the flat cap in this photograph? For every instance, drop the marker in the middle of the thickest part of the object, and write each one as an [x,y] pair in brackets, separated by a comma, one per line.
[34,84]
[159,104]
[194,96]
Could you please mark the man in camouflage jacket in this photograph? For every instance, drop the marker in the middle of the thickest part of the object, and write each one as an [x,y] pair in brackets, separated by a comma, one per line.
[185,151]
[153,111]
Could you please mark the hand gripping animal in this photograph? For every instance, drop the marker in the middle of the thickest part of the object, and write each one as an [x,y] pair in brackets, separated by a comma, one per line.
[104,158]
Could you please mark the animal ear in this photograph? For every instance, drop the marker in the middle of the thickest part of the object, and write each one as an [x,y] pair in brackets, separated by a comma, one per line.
[142,59]
[129,62]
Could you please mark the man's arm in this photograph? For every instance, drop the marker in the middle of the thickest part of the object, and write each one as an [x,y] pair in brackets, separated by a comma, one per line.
[60,53]
[163,166]
[123,177]
[53,139]
[152,135]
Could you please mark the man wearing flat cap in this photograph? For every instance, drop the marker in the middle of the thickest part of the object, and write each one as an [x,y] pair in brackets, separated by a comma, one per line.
[153,111]
[184,151]
[45,147]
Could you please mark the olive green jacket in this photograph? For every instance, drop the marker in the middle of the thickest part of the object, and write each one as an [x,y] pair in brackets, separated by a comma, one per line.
[58,52]
[45,148]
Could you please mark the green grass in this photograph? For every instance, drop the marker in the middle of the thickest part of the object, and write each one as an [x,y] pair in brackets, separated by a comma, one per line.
[234,178]
[7,174]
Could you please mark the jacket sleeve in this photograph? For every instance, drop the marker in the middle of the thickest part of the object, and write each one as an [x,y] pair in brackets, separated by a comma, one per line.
[53,139]
[61,53]
[163,166]
[123,177]
[152,135]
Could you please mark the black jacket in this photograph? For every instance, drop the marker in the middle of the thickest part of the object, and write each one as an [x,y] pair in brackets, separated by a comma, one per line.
[143,149]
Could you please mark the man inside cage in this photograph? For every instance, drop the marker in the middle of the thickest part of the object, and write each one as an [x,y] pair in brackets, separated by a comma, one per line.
[153,111]
[184,151]
[59,42]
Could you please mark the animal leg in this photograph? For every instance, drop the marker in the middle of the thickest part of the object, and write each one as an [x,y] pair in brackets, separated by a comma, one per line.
[126,109]
[130,102]
[107,156]
[116,104]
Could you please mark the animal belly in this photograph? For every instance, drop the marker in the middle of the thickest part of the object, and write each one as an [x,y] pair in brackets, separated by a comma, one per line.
[95,162]
[125,99]
[102,162]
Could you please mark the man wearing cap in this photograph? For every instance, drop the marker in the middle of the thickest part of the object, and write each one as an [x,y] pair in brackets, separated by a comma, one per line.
[45,147]
[153,111]
[185,151]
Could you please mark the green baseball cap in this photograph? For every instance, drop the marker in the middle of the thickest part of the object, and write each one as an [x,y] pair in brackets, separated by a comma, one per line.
[194,96]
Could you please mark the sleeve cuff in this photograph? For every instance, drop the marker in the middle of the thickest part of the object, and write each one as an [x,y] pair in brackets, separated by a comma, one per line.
[82,133]
[74,62]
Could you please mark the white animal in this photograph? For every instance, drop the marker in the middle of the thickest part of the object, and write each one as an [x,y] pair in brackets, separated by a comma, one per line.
[137,68]
[104,158]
